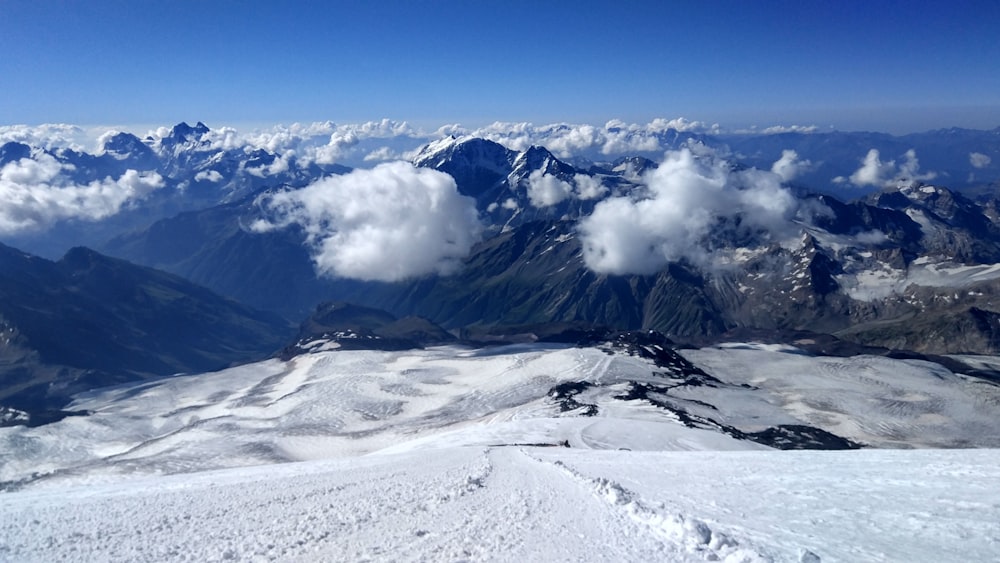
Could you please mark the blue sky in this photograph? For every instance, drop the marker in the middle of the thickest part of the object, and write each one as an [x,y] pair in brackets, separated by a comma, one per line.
[892,66]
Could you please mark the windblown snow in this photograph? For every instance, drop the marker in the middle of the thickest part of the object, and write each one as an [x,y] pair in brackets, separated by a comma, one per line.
[461,454]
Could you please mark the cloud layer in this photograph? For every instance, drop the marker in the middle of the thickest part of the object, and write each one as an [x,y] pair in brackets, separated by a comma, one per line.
[689,194]
[364,144]
[36,192]
[389,223]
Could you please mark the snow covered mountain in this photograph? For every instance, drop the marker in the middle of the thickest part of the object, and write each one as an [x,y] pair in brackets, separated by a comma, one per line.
[910,267]
[129,183]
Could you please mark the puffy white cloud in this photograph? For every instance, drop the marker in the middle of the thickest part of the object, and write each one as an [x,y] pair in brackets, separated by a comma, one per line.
[589,187]
[208,176]
[909,170]
[36,193]
[381,154]
[789,166]
[545,190]
[979,160]
[687,196]
[874,172]
[277,166]
[681,124]
[388,223]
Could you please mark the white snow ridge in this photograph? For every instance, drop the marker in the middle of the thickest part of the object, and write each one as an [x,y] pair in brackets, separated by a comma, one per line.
[515,453]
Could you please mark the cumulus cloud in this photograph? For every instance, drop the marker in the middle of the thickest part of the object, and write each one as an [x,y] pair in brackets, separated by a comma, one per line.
[909,170]
[277,166]
[389,223]
[789,166]
[545,190]
[37,193]
[874,172]
[381,154]
[208,176]
[687,196]
[589,187]
[979,160]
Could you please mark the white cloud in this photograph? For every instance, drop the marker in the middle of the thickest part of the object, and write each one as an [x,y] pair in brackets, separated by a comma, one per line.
[909,170]
[323,142]
[48,136]
[775,129]
[208,175]
[614,138]
[874,172]
[389,223]
[979,160]
[277,166]
[36,194]
[789,166]
[687,196]
[381,154]
[545,190]
[589,187]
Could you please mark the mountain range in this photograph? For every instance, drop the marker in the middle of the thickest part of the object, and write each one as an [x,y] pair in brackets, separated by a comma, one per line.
[903,267]
[910,264]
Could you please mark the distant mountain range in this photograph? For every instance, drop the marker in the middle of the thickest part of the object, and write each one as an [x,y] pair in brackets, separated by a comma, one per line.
[908,264]
[927,271]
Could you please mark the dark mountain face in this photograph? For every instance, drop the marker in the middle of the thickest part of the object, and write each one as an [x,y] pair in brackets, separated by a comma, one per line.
[214,248]
[89,320]
[345,326]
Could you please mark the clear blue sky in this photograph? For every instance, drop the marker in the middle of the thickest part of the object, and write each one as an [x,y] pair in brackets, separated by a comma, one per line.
[897,66]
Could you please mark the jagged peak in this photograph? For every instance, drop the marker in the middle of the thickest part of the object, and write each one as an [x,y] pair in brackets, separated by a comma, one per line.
[182,131]
[122,143]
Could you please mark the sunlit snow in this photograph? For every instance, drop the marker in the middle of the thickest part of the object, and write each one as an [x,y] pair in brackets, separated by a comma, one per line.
[454,453]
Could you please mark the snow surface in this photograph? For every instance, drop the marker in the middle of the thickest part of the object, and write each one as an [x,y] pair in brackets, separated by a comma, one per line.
[532,504]
[436,455]
[881,280]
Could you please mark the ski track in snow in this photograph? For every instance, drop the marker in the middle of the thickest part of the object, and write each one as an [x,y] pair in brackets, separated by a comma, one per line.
[531,504]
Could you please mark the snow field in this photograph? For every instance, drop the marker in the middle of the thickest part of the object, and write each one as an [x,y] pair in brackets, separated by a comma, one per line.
[531,504]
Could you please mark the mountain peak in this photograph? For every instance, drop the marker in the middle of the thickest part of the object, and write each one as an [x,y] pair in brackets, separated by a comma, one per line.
[12,151]
[123,145]
[182,131]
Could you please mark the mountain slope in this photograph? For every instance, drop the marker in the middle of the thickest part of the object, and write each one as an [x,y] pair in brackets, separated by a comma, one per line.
[90,320]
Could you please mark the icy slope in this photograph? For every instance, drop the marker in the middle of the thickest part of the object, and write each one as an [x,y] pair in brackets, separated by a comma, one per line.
[532,504]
